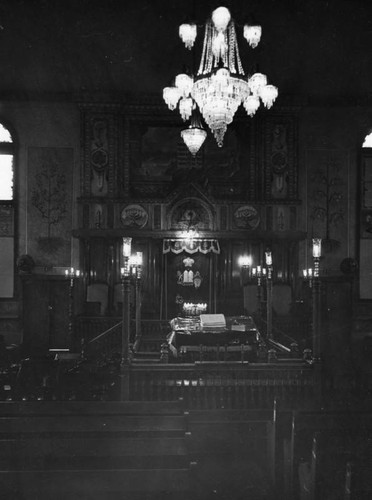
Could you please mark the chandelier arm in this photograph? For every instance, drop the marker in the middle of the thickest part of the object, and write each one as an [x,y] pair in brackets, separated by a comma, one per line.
[234,44]
[226,53]
[231,64]
[205,53]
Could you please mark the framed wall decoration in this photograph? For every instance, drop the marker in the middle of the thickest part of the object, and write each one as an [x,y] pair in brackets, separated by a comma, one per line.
[134,216]
[246,217]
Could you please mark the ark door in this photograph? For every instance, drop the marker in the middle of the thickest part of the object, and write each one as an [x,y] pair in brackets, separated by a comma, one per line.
[188,278]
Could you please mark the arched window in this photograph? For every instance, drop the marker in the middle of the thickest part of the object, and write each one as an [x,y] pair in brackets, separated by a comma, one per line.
[367,141]
[6,213]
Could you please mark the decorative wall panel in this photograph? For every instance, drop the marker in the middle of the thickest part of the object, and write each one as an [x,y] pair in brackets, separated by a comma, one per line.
[99,151]
[49,205]
[328,204]
[280,157]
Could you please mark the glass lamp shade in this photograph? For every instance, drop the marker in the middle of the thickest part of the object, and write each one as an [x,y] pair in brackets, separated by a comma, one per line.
[251,104]
[187,34]
[252,34]
[139,258]
[171,97]
[317,247]
[186,105]
[256,82]
[127,246]
[268,258]
[194,138]
[184,84]
[221,18]
[268,94]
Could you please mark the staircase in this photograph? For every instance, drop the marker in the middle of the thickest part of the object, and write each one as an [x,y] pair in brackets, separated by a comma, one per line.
[148,345]
[94,450]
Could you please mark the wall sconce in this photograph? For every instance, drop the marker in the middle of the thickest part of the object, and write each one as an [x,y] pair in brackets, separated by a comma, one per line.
[307,275]
[72,273]
[317,252]
[245,263]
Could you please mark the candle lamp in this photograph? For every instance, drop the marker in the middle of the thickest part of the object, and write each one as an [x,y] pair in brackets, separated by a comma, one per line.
[127,250]
[71,274]
[125,331]
[269,293]
[307,275]
[317,250]
[192,309]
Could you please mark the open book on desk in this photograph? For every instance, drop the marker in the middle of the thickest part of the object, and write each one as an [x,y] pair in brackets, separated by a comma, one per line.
[212,322]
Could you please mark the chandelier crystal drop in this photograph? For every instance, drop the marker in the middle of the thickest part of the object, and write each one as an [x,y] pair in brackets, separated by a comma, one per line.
[268,94]
[184,84]
[252,34]
[251,104]
[186,105]
[187,34]
[171,97]
[220,85]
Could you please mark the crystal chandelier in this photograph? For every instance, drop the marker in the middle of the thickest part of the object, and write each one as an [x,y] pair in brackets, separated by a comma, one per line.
[220,86]
[194,135]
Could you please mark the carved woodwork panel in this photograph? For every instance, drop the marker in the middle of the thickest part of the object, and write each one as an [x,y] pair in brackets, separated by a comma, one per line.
[328,201]
[99,151]
[280,157]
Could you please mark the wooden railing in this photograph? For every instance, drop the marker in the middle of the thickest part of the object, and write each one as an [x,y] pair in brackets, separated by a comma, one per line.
[225,385]
[89,327]
[106,343]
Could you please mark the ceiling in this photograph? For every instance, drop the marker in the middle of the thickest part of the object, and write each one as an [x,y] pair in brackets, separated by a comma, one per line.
[317,49]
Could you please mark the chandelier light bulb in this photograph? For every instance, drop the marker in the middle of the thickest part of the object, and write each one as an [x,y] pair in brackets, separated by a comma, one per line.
[221,18]
[171,97]
[256,82]
[268,94]
[187,34]
[184,83]
[251,104]
[185,106]
[252,34]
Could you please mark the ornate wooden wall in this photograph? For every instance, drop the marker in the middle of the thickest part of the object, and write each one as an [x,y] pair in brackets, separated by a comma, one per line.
[138,179]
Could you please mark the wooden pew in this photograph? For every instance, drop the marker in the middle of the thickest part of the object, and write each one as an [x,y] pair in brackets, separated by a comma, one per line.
[235,451]
[94,450]
[321,445]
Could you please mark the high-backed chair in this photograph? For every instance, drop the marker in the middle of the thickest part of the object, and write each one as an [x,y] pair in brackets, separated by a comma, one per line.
[98,292]
[118,297]
[251,304]
[282,299]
